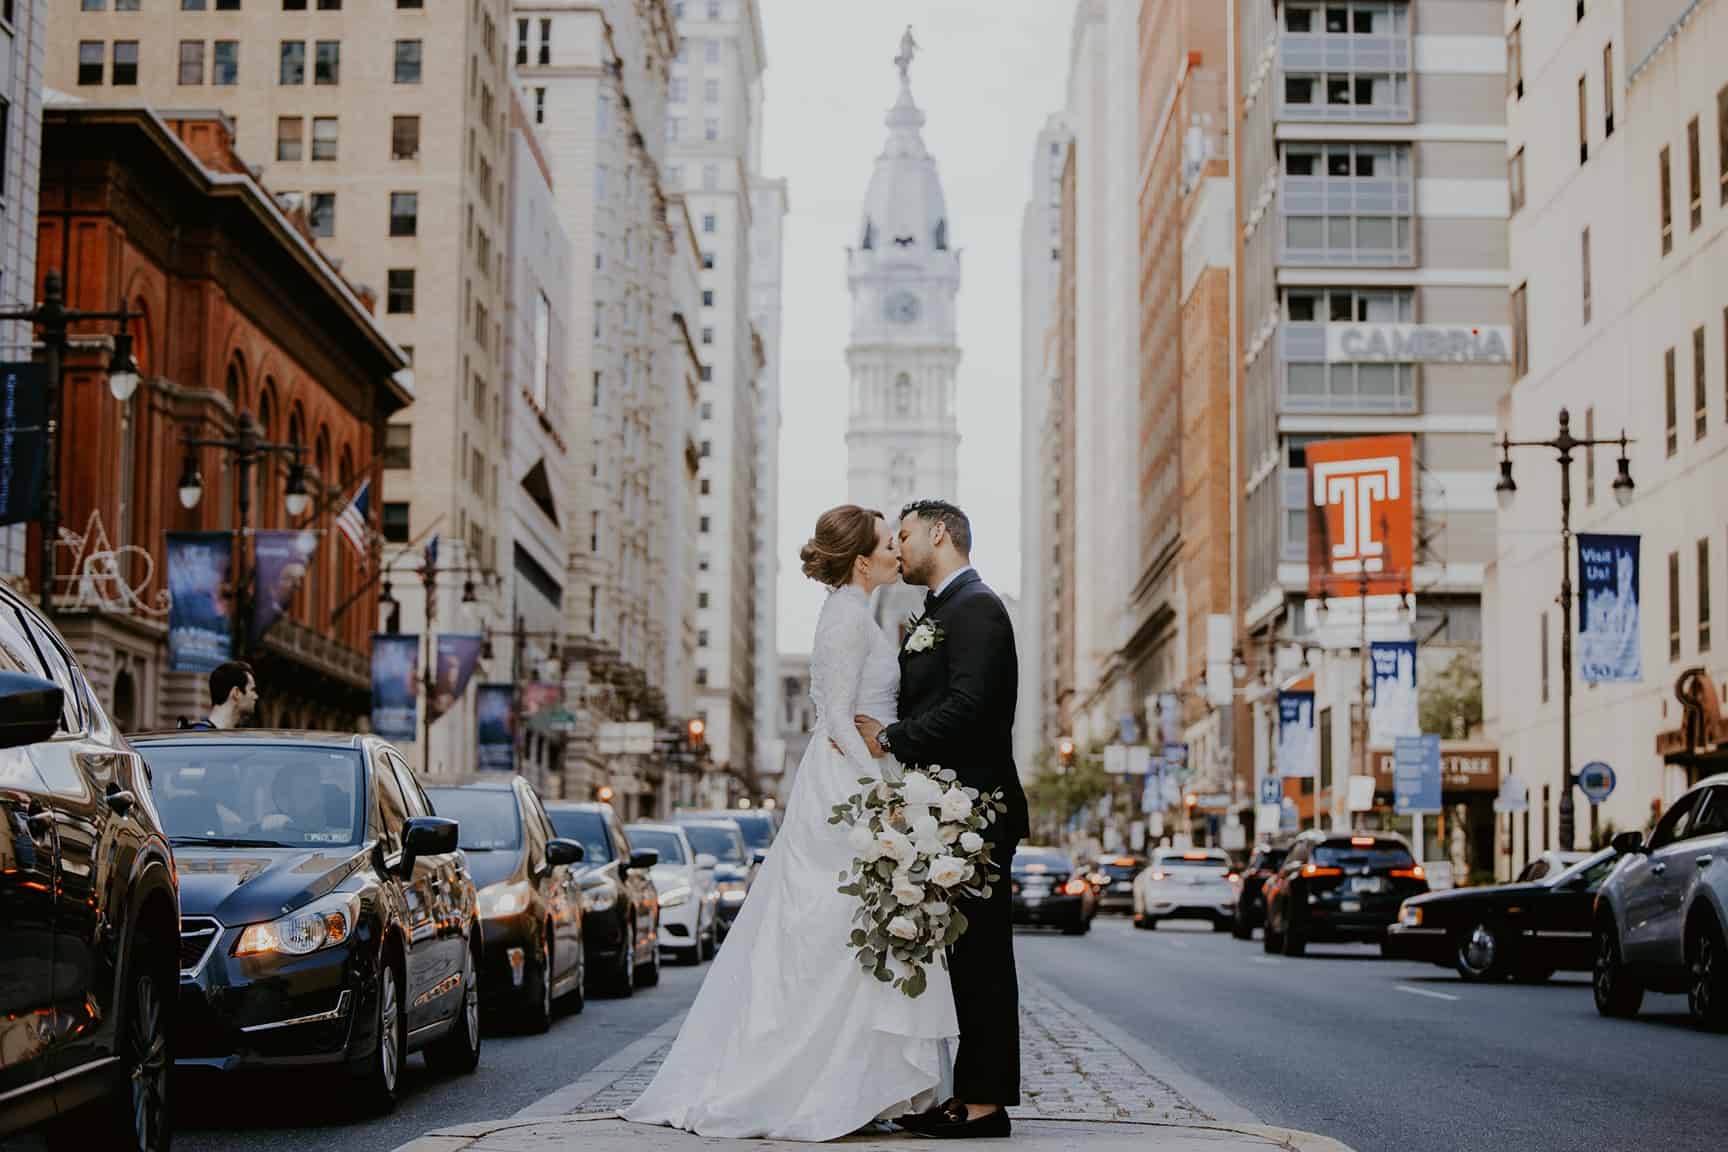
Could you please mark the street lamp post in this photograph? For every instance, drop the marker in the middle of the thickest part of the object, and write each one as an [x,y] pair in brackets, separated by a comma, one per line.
[54,318]
[1563,444]
[248,449]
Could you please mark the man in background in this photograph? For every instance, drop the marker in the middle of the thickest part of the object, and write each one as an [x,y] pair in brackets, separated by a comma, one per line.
[233,696]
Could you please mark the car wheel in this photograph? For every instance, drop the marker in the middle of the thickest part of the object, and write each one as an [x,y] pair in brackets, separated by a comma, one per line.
[624,975]
[1224,925]
[1241,927]
[1079,927]
[647,977]
[374,1074]
[458,1050]
[1480,955]
[577,998]
[1707,961]
[135,1113]
[1272,942]
[1617,990]
[1292,942]
[537,1013]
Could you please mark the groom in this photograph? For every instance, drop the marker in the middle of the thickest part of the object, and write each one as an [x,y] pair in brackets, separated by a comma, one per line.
[957,699]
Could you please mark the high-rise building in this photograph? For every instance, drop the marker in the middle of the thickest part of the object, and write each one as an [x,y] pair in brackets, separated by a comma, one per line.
[387,127]
[768,207]
[1617,149]
[23,36]
[903,271]
[1373,188]
[710,129]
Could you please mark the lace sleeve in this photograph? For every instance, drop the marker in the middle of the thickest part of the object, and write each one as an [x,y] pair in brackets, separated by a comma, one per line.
[836,671]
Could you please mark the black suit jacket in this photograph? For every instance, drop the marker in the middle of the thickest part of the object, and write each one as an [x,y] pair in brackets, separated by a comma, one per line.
[957,699]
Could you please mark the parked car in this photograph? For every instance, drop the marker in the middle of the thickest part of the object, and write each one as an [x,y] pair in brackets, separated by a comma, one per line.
[684,878]
[1334,887]
[1113,882]
[1661,917]
[722,839]
[1194,884]
[89,908]
[1046,888]
[1528,929]
[759,826]
[620,909]
[1544,865]
[530,902]
[327,916]
[1250,884]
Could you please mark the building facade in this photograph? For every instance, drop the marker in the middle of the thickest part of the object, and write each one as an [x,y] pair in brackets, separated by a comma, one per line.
[795,716]
[23,39]
[768,208]
[1618,153]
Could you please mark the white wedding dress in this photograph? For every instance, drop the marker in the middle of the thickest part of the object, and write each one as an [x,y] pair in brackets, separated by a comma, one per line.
[789,1038]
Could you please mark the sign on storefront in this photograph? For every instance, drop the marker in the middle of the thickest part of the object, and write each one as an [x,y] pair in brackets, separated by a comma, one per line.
[1418,343]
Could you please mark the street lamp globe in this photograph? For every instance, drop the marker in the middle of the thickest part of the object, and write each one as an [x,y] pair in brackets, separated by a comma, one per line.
[122,369]
[1506,489]
[1623,488]
[191,484]
[297,498]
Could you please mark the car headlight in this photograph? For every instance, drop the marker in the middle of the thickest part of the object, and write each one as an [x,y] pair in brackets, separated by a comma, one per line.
[732,892]
[601,898]
[504,899]
[1410,917]
[673,897]
[324,923]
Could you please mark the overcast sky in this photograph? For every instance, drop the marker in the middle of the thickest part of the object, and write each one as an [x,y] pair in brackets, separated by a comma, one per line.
[987,74]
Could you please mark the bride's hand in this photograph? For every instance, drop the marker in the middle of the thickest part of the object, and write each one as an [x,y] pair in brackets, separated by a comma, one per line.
[868,728]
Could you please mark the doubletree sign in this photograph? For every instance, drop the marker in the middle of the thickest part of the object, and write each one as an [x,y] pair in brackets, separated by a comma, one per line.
[1424,343]
[23,396]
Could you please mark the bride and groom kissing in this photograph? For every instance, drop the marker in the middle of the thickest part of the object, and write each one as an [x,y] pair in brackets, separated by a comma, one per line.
[789,1038]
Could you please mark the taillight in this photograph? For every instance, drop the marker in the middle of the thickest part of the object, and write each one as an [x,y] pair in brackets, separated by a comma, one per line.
[1232,877]
[1075,887]
[1414,872]
[1362,841]
[1312,870]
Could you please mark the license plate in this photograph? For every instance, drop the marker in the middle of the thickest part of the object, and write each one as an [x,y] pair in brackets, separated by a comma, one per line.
[1350,906]
[1122,886]
[1367,884]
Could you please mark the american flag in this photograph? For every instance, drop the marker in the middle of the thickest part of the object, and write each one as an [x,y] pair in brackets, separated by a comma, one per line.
[354,519]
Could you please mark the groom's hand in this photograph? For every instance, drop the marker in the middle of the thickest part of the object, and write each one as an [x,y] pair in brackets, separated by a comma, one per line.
[868,728]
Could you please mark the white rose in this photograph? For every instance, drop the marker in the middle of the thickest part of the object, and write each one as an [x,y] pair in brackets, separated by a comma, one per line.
[925,827]
[902,929]
[920,791]
[950,833]
[956,805]
[947,871]
[923,638]
[896,846]
[970,842]
[936,909]
[863,841]
[907,891]
[883,792]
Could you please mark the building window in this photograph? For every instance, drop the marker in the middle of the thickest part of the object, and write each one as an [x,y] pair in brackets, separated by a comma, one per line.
[705,373]
[1347,203]
[1722,143]
[1520,332]
[327,62]
[321,213]
[703,525]
[92,55]
[707,261]
[707,297]
[709,223]
[521,41]
[404,137]
[293,68]
[710,177]
[225,64]
[1515,61]
[539,105]
[1673,606]
[398,445]
[125,63]
[711,51]
[707,335]
[1544,657]
[1584,271]
[707,449]
[191,62]
[702,677]
[290,138]
[1700,404]
[1694,174]
[1590,458]
[293,5]
[678,90]
[399,293]
[544,55]
[701,599]
[702,638]
[324,137]
[1704,595]
[407,61]
[1607,90]
[395,523]
[674,129]
[711,92]
[1515,179]
[1583,121]
[1673,401]
[1665,189]
[404,213]
[710,129]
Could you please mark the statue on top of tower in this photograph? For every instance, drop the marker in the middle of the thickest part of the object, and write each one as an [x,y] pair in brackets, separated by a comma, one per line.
[908,48]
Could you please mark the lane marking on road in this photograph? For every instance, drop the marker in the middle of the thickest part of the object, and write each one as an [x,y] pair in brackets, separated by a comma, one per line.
[1426,992]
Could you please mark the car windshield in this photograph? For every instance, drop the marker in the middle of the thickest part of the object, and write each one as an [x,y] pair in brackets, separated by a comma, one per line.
[1041,862]
[1204,863]
[758,830]
[489,819]
[586,827]
[670,847]
[719,842]
[291,795]
[1589,872]
[1271,859]
[1120,869]
[1380,854]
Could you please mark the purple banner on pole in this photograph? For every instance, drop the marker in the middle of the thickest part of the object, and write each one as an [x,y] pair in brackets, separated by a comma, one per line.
[201,600]
[23,432]
[395,686]
[456,658]
[280,564]
[493,704]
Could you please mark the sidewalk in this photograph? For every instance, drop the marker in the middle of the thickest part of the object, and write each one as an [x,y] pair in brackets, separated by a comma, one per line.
[1085,1084]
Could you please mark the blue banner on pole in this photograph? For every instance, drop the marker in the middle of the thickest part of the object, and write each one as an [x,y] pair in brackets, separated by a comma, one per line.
[23,435]
[1393,712]
[1297,748]
[395,686]
[493,706]
[201,600]
[281,560]
[1608,648]
[457,655]
[1416,774]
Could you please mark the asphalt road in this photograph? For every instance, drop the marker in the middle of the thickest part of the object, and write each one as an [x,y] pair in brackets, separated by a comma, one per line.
[1398,1057]
[282,1113]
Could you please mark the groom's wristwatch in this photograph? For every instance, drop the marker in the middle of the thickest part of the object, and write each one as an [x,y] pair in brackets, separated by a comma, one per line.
[882,742]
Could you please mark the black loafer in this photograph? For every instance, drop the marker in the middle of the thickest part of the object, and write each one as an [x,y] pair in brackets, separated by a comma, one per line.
[920,1123]
[991,1125]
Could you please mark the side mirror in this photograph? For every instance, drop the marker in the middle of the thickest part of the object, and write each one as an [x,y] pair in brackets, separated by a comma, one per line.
[1629,843]
[707,861]
[426,836]
[644,860]
[564,852]
[29,709]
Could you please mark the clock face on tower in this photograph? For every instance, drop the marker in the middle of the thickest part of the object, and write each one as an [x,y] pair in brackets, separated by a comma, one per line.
[901,308]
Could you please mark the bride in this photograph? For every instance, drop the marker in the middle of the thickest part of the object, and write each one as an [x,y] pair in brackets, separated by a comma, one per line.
[789,1038]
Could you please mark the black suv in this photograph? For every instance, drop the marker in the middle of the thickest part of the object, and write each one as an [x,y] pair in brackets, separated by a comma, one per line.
[620,908]
[89,908]
[1336,887]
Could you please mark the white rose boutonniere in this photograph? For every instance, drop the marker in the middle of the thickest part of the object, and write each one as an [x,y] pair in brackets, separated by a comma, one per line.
[923,635]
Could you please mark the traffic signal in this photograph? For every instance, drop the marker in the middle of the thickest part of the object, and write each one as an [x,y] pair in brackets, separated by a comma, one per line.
[697,729]
[1065,753]
[605,794]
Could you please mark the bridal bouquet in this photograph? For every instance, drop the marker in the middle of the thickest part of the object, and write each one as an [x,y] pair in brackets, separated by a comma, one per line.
[920,847]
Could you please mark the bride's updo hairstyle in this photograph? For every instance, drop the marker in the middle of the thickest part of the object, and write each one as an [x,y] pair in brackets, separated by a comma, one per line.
[842,535]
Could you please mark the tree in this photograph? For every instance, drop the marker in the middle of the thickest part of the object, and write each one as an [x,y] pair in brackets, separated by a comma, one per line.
[1451,701]
[1055,797]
